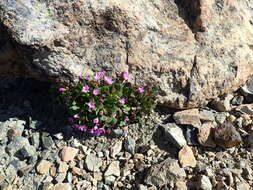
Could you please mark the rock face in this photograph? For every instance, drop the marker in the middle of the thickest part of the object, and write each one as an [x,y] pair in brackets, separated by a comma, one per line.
[193,50]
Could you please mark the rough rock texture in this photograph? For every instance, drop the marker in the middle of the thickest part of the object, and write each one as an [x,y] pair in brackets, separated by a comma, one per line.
[193,50]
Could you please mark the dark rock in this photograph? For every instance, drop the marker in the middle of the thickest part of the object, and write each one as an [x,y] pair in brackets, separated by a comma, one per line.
[227,136]
[237,100]
[191,135]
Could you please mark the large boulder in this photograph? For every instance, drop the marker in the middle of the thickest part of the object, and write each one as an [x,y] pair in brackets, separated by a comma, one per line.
[193,50]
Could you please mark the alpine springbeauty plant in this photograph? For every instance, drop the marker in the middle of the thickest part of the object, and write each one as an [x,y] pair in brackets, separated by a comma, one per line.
[99,103]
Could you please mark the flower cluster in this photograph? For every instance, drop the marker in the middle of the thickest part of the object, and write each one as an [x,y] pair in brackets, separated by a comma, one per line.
[99,103]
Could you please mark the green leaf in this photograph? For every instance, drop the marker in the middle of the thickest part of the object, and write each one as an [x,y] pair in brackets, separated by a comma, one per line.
[74,108]
[104,118]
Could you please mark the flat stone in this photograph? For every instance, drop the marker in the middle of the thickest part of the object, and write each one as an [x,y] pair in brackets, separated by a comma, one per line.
[63,167]
[186,157]
[204,183]
[62,186]
[227,136]
[129,145]
[180,185]
[116,148]
[206,115]
[43,167]
[206,135]
[78,171]
[47,141]
[68,153]
[164,173]
[113,169]
[174,134]
[60,177]
[35,139]
[92,163]
[188,117]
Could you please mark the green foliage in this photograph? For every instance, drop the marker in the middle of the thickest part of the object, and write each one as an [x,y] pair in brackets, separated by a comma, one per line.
[98,103]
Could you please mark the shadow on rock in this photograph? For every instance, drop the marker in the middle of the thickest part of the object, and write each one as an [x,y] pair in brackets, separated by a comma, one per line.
[31,100]
[163,143]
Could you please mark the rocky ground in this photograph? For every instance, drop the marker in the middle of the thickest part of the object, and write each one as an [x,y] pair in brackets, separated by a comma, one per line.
[172,149]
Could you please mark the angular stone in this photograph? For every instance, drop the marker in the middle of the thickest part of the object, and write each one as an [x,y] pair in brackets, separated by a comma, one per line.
[78,171]
[164,173]
[110,179]
[186,157]
[113,169]
[16,144]
[174,134]
[227,136]
[129,145]
[47,141]
[27,151]
[242,185]
[43,167]
[62,186]
[206,135]
[63,167]
[247,90]
[92,163]
[116,148]
[10,173]
[68,153]
[188,117]
[204,183]
[60,177]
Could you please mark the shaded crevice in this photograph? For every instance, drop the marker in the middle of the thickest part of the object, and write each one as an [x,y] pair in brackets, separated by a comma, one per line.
[190,12]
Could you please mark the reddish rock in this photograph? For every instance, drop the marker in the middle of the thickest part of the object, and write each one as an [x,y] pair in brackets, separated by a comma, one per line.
[68,153]
[186,157]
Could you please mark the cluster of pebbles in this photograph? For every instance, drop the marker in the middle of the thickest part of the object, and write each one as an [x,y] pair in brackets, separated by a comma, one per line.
[203,148]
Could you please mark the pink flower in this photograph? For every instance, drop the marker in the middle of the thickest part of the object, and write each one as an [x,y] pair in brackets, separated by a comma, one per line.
[141,89]
[125,75]
[81,76]
[96,120]
[99,75]
[95,91]
[126,118]
[91,104]
[87,78]
[80,127]
[101,113]
[85,88]
[103,95]
[122,100]
[108,80]
[62,89]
